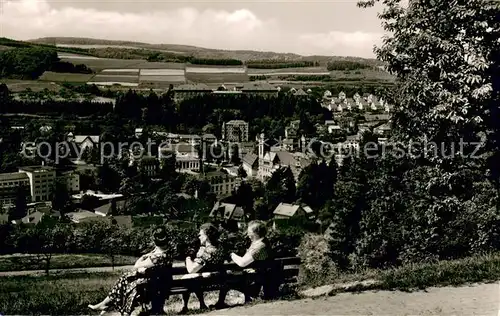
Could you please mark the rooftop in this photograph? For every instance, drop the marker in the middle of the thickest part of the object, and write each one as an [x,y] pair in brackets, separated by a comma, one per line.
[101,196]
[252,86]
[300,92]
[234,122]
[13,176]
[37,169]
[286,209]
[82,138]
[227,211]
[290,210]
[193,87]
[250,159]
[78,216]
[227,92]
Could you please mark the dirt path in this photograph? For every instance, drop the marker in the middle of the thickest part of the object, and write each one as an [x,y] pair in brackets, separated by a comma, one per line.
[482,299]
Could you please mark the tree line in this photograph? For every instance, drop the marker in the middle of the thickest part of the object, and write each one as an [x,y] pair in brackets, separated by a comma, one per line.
[277,64]
[346,65]
[26,63]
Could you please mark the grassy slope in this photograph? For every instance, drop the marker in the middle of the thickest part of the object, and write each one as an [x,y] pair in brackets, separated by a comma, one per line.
[65,77]
[21,263]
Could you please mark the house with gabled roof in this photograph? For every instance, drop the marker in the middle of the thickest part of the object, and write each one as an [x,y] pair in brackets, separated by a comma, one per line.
[83,141]
[185,91]
[300,93]
[287,211]
[251,164]
[227,211]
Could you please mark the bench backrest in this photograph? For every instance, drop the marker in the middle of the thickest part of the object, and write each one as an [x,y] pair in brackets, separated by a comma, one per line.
[179,268]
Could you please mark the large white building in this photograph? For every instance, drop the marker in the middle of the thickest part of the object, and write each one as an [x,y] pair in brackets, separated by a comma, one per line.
[41,180]
[235,131]
[72,181]
[187,158]
[9,184]
[222,183]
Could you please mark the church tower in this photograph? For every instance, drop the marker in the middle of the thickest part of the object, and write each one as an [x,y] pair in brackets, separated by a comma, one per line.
[261,146]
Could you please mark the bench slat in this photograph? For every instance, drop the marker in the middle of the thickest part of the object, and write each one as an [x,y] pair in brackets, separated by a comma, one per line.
[179,268]
[214,277]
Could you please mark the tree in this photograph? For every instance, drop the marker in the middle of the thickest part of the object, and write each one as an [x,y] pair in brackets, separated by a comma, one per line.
[235,154]
[414,208]
[89,202]
[441,53]
[316,184]
[112,243]
[241,172]
[164,201]
[60,195]
[109,177]
[244,196]
[279,188]
[4,95]
[20,209]
[168,167]
[45,239]
[306,126]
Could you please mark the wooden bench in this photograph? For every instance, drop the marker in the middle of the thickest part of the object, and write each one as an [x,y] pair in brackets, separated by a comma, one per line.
[229,276]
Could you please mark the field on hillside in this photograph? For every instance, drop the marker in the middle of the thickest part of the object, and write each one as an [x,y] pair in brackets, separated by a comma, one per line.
[115,78]
[215,69]
[216,74]
[119,72]
[216,77]
[160,65]
[364,74]
[159,75]
[162,79]
[34,85]
[300,70]
[65,77]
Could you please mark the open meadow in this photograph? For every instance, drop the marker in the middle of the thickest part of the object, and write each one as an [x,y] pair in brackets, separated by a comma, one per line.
[65,77]
[216,74]
[98,64]
[15,85]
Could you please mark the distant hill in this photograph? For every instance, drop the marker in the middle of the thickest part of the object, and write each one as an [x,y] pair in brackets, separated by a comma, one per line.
[198,52]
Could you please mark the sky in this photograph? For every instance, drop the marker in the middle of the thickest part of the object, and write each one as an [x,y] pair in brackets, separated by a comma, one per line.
[308,27]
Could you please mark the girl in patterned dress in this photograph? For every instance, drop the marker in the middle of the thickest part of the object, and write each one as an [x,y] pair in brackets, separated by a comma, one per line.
[209,254]
[124,295]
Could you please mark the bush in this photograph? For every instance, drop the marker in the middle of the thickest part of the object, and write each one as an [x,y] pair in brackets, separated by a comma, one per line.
[317,266]
[285,241]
